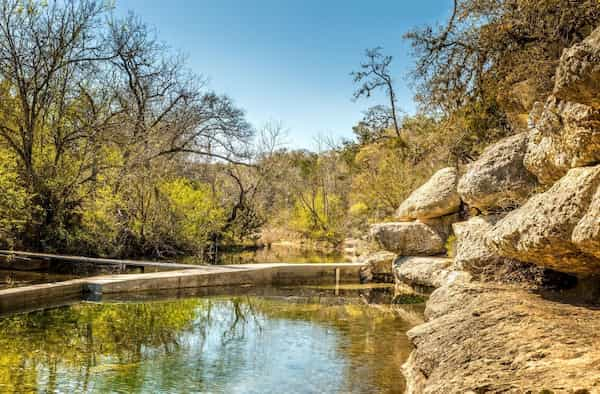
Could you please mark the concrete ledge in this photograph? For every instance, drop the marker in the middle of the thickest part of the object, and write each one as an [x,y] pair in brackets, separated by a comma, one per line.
[28,297]
[20,298]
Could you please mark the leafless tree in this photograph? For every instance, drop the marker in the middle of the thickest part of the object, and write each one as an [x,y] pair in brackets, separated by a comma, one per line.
[374,74]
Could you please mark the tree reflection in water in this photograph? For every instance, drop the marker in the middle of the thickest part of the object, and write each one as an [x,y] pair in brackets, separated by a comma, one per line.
[216,344]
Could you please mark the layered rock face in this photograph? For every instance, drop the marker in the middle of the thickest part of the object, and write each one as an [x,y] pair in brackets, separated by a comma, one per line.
[498,179]
[586,235]
[564,135]
[578,74]
[483,335]
[541,230]
[483,338]
[437,197]
[565,132]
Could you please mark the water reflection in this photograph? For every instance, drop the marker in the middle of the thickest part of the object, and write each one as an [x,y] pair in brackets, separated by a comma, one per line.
[275,254]
[249,344]
[10,278]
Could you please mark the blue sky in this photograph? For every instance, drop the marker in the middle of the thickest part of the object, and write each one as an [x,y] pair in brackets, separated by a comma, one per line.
[289,61]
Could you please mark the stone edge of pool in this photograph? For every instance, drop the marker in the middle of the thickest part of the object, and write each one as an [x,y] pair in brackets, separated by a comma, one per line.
[33,297]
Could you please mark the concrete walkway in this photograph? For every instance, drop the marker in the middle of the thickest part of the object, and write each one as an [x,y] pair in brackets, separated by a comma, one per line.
[156,265]
[37,296]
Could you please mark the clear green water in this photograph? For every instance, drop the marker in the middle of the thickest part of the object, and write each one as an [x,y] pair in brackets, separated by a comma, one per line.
[320,343]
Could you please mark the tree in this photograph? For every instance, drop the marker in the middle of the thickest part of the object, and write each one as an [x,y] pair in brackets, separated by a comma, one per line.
[91,104]
[487,47]
[374,74]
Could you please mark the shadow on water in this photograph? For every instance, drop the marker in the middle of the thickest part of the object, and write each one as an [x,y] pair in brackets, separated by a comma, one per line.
[261,340]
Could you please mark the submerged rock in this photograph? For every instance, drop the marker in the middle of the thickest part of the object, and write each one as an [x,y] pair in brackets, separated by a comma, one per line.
[498,179]
[540,231]
[427,237]
[563,135]
[437,197]
[377,267]
[578,74]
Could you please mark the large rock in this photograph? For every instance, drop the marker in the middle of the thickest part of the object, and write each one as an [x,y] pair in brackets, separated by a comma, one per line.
[502,339]
[437,197]
[377,267]
[427,237]
[586,235]
[428,272]
[472,253]
[563,135]
[540,231]
[578,74]
[498,178]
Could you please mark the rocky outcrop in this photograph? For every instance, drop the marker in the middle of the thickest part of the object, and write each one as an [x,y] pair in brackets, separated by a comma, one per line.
[427,237]
[540,231]
[437,197]
[428,272]
[414,238]
[586,235]
[578,74]
[377,267]
[498,178]
[484,335]
[563,135]
[491,338]
[471,252]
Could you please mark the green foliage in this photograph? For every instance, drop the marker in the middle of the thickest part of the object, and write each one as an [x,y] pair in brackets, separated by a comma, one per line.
[194,210]
[451,246]
[319,216]
[15,201]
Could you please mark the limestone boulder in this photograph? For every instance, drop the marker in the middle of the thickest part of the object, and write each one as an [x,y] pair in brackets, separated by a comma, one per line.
[540,231]
[428,272]
[437,197]
[502,339]
[377,267]
[586,235]
[563,135]
[418,238]
[471,251]
[498,179]
[578,74]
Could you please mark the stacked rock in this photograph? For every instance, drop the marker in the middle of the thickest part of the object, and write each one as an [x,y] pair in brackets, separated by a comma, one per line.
[424,219]
[534,197]
[560,228]
[424,223]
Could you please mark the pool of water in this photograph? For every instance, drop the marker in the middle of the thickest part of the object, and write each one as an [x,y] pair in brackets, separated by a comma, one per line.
[295,340]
